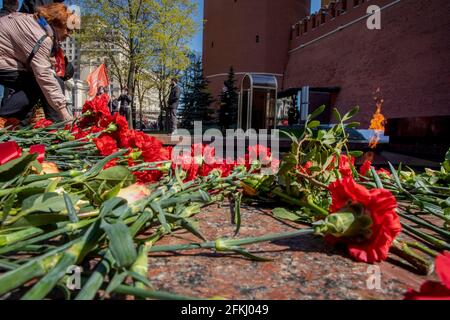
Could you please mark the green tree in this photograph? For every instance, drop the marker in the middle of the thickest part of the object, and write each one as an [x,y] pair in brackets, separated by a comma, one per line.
[229,102]
[196,98]
[140,40]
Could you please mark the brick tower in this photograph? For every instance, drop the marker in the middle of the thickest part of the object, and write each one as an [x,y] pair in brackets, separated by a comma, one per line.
[250,35]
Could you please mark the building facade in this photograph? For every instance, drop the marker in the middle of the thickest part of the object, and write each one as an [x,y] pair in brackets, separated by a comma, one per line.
[250,35]
[334,52]
[86,59]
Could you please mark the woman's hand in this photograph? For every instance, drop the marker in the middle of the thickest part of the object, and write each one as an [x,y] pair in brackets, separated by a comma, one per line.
[66,115]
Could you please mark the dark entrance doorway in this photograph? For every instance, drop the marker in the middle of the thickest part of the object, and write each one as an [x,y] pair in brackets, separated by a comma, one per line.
[257,105]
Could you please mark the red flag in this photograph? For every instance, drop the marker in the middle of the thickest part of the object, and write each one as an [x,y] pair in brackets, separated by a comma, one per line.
[97,78]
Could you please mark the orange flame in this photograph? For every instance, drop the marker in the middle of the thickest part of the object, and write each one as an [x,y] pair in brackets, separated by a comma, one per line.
[378,121]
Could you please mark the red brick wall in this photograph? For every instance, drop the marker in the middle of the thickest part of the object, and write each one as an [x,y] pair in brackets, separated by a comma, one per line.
[233,27]
[409,59]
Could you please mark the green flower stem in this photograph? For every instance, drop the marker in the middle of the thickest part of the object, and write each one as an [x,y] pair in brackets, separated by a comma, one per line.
[224,244]
[402,250]
[423,248]
[142,293]
[34,268]
[50,279]
[75,253]
[140,266]
[269,237]
[96,280]
[84,151]
[426,224]
[8,239]
[35,178]
[440,244]
[301,203]
[8,265]
[316,208]
[70,144]
[147,164]
[68,228]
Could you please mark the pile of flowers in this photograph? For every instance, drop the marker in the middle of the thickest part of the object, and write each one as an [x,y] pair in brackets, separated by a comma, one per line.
[106,185]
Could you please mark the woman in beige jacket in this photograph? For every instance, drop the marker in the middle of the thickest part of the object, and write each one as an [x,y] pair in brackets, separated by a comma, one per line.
[31,62]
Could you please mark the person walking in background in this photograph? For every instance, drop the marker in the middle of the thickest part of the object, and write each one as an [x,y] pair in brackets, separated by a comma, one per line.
[100,90]
[293,116]
[174,98]
[125,108]
[114,105]
[32,64]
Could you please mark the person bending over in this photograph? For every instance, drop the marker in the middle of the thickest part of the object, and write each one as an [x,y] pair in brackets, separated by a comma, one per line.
[32,64]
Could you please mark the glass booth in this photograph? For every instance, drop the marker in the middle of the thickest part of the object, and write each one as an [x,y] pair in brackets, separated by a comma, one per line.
[257,102]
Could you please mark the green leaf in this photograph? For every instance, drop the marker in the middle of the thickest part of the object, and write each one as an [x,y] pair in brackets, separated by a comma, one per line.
[336,114]
[116,281]
[315,169]
[237,212]
[52,186]
[116,174]
[120,242]
[109,194]
[316,112]
[70,209]
[420,184]
[285,214]
[40,219]
[99,165]
[350,114]
[36,164]
[15,167]
[249,255]
[396,178]
[376,177]
[110,205]
[355,154]
[161,216]
[352,125]
[447,212]
[46,202]
[189,224]
[313,124]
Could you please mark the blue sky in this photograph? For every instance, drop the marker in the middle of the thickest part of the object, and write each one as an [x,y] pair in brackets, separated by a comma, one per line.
[196,42]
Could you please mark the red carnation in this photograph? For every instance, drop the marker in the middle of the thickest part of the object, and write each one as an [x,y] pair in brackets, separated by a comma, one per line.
[106,145]
[111,163]
[384,171]
[365,169]
[188,164]
[432,290]
[40,150]
[96,112]
[205,152]
[380,204]
[148,176]
[150,146]
[43,123]
[259,152]
[345,165]
[121,122]
[9,151]
[305,169]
